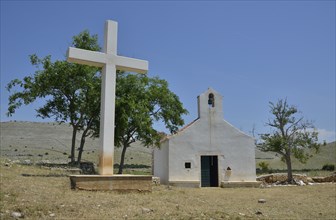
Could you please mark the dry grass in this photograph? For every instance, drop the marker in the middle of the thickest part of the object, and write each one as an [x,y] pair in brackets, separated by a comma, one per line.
[51,198]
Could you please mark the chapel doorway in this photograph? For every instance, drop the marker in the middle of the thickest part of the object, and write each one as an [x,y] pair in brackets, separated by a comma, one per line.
[209,171]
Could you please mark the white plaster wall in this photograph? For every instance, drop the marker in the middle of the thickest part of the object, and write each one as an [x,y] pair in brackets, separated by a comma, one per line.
[161,162]
[184,148]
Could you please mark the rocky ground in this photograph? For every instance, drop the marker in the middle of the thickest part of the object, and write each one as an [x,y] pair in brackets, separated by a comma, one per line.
[35,185]
[39,192]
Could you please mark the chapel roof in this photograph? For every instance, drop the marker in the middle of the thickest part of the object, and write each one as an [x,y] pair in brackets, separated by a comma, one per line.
[179,131]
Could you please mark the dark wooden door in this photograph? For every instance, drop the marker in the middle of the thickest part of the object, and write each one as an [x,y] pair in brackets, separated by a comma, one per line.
[209,171]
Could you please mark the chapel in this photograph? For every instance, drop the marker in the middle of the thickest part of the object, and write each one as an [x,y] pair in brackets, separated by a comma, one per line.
[208,152]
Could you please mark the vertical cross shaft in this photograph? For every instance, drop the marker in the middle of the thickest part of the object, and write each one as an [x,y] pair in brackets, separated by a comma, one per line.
[107,105]
[109,61]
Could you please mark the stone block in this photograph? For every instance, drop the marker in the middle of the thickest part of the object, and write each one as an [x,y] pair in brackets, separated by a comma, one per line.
[156,180]
[120,183]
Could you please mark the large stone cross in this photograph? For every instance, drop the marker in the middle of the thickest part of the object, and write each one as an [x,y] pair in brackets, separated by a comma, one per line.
[110,62]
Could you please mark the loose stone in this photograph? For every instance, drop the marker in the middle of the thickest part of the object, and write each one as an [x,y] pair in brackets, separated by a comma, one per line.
[262,201]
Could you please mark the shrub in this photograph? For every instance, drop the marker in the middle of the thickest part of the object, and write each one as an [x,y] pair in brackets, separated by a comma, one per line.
[329,167]
[264,166]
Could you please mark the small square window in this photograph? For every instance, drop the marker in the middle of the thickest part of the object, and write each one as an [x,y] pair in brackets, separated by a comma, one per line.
[187,165]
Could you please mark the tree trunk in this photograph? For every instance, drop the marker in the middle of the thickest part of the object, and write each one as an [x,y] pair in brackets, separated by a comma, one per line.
[122,159]
[73,144]
[289,168]
[81,147]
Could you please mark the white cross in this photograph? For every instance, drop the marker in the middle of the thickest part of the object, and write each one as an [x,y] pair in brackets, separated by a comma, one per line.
[110,62]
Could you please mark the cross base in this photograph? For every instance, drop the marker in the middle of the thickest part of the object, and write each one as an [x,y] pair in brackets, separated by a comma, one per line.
[120,183]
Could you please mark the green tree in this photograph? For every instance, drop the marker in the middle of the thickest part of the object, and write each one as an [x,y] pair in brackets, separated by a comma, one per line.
[141,101]
[290,135]
[71,91]
[72,94]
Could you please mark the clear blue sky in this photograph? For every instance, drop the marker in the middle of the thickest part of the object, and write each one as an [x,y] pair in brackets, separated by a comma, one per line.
[251,52]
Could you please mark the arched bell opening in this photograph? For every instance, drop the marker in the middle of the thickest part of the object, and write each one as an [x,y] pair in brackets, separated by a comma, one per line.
[211,100]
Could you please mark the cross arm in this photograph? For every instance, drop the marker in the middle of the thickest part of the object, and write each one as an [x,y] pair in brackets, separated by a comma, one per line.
[131,64]
[87,57]
[99,59]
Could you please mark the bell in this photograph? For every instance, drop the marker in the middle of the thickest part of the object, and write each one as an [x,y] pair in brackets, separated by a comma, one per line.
[209,101]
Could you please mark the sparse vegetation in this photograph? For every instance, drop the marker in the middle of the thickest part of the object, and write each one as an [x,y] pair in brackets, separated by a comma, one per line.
[328,167]
[44,191]
[325,156]
[46,196]
[264,166]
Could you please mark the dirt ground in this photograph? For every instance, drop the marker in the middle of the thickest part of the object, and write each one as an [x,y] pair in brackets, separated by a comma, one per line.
[41,195]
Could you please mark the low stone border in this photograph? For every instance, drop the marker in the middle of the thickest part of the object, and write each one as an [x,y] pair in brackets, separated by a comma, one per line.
[44,175]
[298,178]
[331,178]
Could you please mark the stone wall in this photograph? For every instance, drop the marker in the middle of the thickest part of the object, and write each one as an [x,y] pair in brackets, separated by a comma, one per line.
[331,178]
[282,178]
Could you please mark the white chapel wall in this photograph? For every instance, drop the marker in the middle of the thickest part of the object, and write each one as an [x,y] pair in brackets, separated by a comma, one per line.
[161,162]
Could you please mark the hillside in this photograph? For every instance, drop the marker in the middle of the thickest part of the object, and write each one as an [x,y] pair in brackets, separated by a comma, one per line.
[36,141]
[327,155]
